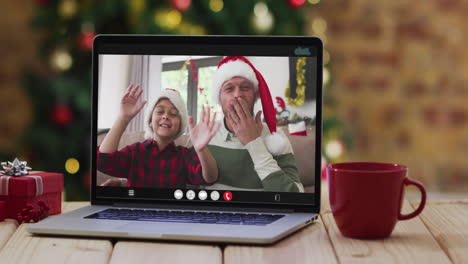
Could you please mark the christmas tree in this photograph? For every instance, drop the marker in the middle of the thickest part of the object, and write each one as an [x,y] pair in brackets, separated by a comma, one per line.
[59,137]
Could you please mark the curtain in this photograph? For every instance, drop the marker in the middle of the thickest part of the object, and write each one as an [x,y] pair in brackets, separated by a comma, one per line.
[139,75]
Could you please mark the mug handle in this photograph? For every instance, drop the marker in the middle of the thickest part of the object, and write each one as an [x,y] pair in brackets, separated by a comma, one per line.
[409,181]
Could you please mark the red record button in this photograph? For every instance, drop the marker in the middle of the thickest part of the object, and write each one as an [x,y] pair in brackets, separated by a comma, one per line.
[227,196]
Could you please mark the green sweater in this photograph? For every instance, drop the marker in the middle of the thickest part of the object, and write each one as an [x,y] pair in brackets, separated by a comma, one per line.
[253,167]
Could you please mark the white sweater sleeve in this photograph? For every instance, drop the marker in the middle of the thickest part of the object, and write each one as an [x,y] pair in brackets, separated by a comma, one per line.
[263,161]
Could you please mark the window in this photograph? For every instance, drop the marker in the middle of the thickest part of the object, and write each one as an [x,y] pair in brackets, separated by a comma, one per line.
[176,79]
[192,81]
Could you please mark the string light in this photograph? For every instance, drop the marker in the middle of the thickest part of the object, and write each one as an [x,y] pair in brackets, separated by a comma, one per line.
[216,5]
[197,30]
[334,149]
[68,8]
[72,165]
[168,19]
[313,2]
[319,26]
[61,60]
[262,18]
[326,76]
[326,57]
[260,9]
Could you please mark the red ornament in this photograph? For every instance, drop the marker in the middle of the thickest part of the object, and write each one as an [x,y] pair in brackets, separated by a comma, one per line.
[85,40]
[181,5]
[295,4]
[61,115]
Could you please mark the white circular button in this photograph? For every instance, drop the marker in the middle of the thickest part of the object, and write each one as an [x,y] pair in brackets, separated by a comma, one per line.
[178,194]
[214,195]
[202,195]
[190,195]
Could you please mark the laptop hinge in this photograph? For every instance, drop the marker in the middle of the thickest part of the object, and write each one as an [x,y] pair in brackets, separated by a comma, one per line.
[204,208]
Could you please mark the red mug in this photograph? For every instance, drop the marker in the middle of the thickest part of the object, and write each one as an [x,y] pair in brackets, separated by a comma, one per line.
[366,197]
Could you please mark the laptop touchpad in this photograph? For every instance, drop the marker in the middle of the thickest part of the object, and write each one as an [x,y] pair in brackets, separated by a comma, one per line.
[160,228]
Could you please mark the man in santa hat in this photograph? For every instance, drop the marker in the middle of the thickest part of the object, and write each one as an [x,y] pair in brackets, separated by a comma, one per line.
[250,154]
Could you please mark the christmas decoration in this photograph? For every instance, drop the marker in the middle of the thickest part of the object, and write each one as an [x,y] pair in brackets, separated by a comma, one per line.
[181,5]
[296,3]
[280,103]
[28,213]
[334,148]
[168,19]
[61,115]
[216,5]
[86,40]
[61,60]
[194,71]
[319,26]
[2,211]
[301,85]
[17,192]
[283,114]
[72,166]
[284,117]
[68,8]
[262,18]
[15,168]
[297,129]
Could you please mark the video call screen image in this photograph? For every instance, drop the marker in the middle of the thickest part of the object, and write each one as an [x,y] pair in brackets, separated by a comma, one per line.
[206,123]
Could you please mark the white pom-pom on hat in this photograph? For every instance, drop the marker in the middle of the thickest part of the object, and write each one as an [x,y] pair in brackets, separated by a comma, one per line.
[276,143]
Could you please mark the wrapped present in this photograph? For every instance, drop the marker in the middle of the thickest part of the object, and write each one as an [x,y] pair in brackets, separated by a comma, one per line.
[2,210]
[19,190]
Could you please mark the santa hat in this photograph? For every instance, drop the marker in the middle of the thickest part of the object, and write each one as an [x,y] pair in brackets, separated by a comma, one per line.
[176,99]
[233,66]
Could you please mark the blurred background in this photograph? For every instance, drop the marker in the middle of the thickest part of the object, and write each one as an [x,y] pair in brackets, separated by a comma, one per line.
[394,82]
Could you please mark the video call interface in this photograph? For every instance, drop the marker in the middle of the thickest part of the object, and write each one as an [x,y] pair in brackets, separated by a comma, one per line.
[195,128]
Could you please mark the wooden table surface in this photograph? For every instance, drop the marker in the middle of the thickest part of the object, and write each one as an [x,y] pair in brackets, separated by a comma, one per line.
[438,235]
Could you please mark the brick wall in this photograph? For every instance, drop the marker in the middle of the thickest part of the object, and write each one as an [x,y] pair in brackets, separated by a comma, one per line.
[400,79]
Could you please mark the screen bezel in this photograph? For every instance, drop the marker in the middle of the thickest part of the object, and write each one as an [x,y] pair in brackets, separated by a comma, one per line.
[208,45]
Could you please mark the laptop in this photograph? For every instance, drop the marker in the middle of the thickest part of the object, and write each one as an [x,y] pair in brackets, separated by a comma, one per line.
[251,201]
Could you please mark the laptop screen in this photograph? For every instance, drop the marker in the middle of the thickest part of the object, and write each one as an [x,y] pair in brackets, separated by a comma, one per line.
[207,120]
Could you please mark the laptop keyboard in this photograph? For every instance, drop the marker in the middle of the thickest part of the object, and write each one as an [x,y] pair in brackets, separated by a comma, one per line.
[186,216]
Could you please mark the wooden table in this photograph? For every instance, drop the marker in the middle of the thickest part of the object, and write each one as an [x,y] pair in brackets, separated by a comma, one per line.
[438,235]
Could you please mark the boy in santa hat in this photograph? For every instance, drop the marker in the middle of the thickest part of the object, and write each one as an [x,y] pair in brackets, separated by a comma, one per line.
[250,154]
[158,162]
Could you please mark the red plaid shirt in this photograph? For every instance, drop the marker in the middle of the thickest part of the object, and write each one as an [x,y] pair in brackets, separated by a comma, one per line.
[145,166]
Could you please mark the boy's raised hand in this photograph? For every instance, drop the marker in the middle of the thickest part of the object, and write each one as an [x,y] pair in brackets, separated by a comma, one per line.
[204,131]
[128,105]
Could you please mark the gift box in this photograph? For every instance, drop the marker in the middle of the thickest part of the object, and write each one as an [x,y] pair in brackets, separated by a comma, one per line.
[2,210]
[19,191]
